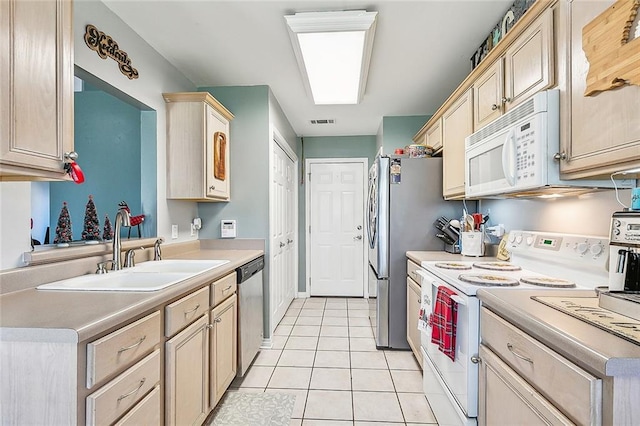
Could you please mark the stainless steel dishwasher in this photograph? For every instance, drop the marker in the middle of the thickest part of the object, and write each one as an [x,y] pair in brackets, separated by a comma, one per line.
[249,312]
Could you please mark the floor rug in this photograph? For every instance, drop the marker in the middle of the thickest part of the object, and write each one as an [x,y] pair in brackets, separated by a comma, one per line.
[253,409]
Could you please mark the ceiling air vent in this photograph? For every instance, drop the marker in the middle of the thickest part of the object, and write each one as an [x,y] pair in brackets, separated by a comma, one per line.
[323,121]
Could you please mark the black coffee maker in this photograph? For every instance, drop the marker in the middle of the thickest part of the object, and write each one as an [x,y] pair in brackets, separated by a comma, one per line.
[624,253]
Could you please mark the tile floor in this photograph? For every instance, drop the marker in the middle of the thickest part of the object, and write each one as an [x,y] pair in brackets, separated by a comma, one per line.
[325,354]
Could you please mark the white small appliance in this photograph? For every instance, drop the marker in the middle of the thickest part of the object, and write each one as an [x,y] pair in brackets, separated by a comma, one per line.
[624,252]
[518,154]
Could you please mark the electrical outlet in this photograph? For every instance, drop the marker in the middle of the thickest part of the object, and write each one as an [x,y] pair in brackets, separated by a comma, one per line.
[174,231]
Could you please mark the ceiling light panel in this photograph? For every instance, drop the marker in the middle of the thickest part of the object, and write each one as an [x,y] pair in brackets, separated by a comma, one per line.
[333,50]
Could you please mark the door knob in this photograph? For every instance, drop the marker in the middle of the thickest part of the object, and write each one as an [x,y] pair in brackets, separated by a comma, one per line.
[281,244]
[359,227]
[357,237]
[289,241]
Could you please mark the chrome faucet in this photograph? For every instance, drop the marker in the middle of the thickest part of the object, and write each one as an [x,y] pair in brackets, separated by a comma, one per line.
[130,257]
[157,253]
[123,218]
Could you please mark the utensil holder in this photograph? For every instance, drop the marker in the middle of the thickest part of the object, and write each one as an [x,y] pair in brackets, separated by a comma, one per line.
[472,243]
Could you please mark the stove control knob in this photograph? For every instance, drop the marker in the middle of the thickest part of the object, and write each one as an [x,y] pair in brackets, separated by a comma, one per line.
[616,223]
[512,238]
[596,249]
[582,248]
[530,240]
[519,239]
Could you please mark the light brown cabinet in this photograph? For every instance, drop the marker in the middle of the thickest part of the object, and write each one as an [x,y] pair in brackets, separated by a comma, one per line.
[413,308]
[36,89]
[224,347]
[187,375]
[601,133]
[526,67]
[197,147]
[457,124]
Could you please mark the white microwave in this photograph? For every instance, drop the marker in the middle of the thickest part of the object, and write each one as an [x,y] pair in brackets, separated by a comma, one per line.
[514,154]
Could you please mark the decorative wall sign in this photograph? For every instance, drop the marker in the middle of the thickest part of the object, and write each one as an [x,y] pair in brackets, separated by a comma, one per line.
[219,155]
[614,59]
[105,47]
[515,12]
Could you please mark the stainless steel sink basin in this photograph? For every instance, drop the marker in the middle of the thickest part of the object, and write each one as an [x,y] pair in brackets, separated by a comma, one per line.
[148,276]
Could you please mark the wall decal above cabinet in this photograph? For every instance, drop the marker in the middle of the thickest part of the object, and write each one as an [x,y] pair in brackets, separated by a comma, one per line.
[107,47]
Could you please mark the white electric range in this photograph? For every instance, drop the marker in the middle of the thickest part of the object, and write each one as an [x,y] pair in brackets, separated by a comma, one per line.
[538,260]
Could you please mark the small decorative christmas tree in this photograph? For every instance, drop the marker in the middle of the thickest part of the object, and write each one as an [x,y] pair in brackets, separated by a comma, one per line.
[91,229]
[64,234]
[107,233]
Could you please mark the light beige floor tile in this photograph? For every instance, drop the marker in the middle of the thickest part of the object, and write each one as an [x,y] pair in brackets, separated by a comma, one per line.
[288,320]
[358,307]
[331,379]
[290,378]
[332,359]
[401,360]
[297,303]
[360,332]
[335,321]
[297,358]
[293,312]
[301,399]
[306,330]
[314,304]
[358,301]
[335,304]
[369,360]
[372,380]
[359,313]
[334,331]
[376,406]
[295,422]
[246,390]
[378,423]
[328,405]
[407,380]
[311,312]
[333,344]
[256,377]
[309,321]
[278,342]
[416,408]
[359,322]
[362,344]
[298,342]
[336,313]
[326,423]
[283,330]
[267,357]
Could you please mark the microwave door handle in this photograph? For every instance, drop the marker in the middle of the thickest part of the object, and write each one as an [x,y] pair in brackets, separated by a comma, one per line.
[509,157]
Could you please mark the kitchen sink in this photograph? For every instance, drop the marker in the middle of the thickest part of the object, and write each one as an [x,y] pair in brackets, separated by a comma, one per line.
[148,276]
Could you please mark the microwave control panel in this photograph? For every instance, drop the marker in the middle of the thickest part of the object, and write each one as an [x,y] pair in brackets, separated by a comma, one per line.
[625,229]
[526,149]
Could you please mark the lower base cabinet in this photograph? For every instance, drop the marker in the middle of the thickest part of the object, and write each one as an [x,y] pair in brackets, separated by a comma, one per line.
[224,356]
[187,375]
[413,308]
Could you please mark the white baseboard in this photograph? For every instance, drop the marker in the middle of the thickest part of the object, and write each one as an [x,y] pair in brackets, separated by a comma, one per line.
[303,295]
[266,344]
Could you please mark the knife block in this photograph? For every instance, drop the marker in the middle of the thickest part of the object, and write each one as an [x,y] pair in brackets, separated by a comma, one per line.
[452,248]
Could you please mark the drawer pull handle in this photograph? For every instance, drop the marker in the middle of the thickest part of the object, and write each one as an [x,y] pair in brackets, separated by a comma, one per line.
[226,289]
[522,357]
[126,348]
[121,397]
[192,310]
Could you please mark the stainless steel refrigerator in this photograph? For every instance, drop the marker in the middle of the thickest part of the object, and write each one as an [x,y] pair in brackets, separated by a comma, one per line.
[405,198]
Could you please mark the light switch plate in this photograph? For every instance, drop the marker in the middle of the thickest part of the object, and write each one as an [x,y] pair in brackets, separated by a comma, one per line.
[174,231]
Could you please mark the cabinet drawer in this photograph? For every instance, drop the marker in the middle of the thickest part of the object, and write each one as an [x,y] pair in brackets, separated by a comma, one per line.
[183,312]
[115,351]
[411,271]
[223,288]
[116,397]
[146,411]
[566,385]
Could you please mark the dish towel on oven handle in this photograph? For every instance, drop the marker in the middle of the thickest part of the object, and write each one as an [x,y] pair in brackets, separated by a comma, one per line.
[443,322]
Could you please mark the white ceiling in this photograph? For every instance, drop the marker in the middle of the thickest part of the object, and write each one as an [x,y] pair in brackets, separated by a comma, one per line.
[421,52]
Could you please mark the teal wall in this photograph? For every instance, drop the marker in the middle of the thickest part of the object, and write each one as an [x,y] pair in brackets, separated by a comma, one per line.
[397,132]
[107,140]
[327,147]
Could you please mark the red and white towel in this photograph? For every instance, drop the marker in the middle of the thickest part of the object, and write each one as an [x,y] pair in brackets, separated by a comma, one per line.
[443,322]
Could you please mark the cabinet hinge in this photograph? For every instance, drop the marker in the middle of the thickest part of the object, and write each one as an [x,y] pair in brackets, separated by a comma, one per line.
[309,228]
[309,281]
[309,174]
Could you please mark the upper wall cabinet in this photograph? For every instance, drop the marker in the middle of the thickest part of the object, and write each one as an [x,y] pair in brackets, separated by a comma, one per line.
[197,147]
[457,124]
[36,88]
[604,131]
[525,68]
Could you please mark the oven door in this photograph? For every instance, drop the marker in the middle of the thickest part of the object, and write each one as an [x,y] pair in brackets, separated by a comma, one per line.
[460,376]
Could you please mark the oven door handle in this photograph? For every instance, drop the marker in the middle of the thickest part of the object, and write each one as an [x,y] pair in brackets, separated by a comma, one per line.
[459,300]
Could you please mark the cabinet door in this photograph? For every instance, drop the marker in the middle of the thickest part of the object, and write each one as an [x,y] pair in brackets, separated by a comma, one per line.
[487,96]
[434,136]
[413,307]
[224,347]
[604,134]
[506,399]
[457,124]
[217,155]
[36,87]
[187,375]
[529,61]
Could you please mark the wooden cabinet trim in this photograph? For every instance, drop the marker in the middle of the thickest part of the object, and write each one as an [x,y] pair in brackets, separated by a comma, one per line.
[185,310]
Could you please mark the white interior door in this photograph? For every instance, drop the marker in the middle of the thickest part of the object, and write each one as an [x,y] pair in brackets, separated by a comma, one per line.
[283,227]
[336,233]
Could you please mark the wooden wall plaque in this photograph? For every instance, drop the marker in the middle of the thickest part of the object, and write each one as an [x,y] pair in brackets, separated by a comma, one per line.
[219,156]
